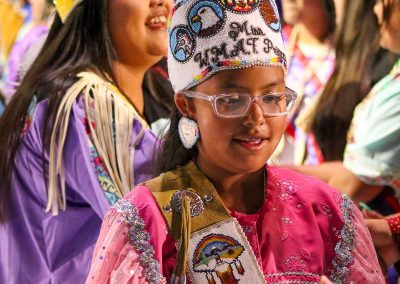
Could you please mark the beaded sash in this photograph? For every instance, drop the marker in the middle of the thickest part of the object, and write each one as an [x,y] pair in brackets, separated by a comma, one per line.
[212,247]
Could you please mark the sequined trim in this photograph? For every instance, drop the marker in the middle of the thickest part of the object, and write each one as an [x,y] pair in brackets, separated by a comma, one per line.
[293,277]
[140,239]
[293,273]
[294,282]
[345,246]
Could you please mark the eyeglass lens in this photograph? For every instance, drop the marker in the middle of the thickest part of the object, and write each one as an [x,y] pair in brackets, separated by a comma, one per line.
[238,104]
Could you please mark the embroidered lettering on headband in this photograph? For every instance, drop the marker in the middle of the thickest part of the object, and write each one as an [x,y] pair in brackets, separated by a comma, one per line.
[269,45]
[245,46]
[237,28]
[214,35]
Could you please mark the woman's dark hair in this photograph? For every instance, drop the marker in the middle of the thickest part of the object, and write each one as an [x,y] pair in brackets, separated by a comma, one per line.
[156,83]
[172,152]
[2,99]
[357,44]
[82,43]
[329,7]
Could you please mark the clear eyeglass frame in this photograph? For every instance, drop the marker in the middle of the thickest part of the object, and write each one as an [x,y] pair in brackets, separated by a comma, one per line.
[288,94]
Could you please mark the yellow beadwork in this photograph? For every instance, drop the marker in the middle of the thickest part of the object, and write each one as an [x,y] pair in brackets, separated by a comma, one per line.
[64,7]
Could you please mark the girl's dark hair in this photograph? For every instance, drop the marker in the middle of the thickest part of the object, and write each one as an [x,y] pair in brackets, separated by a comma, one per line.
[172,153]
[82,43]
[357,44]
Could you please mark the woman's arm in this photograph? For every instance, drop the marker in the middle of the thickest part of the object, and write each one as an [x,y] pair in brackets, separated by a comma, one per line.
[337,176]
[347,182]
[324,171]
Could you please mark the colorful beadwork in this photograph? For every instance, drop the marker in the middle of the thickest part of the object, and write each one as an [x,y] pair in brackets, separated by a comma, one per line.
[269,12]
[182,43]
[231,64]
[240,6]
[105,180]
[216,248]
[206,18]
[209,36]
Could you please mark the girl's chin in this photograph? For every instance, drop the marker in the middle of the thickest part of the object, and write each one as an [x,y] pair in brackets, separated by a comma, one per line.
[250,166]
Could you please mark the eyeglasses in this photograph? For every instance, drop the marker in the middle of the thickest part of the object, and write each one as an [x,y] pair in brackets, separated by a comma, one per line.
[231,105]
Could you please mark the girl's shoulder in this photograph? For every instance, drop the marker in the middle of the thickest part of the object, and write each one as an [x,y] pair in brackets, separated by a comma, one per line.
[140,206]
[141,197]
[314,222]
[302,195]
[303,185]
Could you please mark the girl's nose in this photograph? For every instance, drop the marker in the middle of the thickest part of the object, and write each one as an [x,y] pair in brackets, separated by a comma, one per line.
[255,115]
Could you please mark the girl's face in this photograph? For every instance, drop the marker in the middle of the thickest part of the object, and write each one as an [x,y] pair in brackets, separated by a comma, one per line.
[238,145]
[390,31]
[138,29]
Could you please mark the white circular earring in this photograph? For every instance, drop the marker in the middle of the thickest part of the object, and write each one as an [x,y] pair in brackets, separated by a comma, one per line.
[188,132]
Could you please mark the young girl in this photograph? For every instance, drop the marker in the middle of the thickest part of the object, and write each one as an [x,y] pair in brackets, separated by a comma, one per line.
[218,214]
[74,138]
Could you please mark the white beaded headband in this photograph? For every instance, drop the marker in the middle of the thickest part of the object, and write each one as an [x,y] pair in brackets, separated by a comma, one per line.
[208,36]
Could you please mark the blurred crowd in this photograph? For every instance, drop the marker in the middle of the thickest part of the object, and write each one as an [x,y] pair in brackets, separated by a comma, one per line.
[343,62]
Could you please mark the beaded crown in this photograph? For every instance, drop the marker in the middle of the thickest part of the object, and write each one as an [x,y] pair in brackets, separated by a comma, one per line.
[208,36]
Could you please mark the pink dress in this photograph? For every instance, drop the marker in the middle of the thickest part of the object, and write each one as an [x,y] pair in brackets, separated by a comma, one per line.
[303,230]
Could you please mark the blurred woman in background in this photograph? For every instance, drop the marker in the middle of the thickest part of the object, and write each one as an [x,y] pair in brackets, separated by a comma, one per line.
[308,31]
[372,153]
[74,138]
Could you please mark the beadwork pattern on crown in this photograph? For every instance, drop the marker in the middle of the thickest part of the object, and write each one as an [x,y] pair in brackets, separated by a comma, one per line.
[208,36]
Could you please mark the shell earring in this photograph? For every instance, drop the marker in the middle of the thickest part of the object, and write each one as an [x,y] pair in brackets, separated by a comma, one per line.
[188,132]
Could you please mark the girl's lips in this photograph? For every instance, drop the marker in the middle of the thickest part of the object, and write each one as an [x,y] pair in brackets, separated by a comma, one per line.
[157,26]
[157,22]
[253,144]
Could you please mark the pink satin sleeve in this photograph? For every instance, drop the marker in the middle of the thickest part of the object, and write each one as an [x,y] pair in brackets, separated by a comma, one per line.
[115,260]
[365,267]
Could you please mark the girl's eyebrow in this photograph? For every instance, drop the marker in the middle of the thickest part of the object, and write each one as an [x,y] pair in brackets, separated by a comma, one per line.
[234,85]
